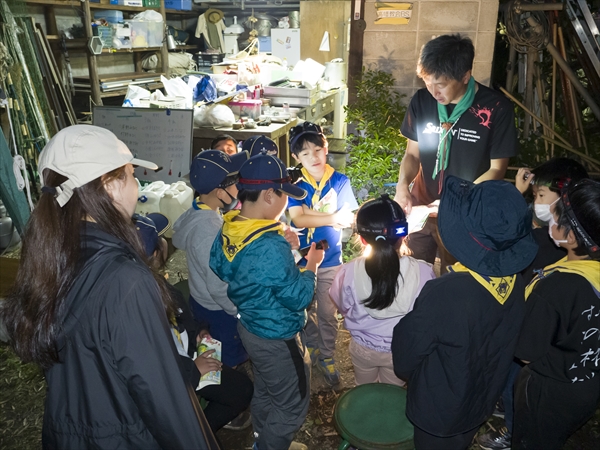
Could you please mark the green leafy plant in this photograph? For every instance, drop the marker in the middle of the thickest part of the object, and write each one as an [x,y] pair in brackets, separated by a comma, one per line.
[378,147]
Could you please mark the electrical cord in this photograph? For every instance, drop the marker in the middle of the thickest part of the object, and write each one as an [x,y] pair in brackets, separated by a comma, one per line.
[520,34]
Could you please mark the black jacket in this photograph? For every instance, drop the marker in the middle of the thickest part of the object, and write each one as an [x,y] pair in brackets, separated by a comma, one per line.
[455,348]
[118,384]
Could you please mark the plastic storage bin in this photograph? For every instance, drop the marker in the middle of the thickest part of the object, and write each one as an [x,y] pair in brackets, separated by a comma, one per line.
[105,34]
[182,5]
[110,16]
[121,36]
[156,32]
[127,2]
[246,109]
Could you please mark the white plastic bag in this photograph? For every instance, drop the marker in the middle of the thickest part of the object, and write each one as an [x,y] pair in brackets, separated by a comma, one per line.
[149,15]
[176,87]
[213,116]
[134,96]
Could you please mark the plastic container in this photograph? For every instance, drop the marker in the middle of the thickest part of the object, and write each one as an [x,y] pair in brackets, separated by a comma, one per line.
[181,5]
[139,33]
[176,200]
[105,34]
[111,16]
[149,197]
[121,35]
[246,109]
[208,59]
[155,33]
[129,2]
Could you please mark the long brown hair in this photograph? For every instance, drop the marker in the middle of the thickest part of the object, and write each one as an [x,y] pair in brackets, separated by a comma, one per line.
[49,264]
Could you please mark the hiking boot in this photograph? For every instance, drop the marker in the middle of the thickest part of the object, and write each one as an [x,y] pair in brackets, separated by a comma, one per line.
[327,366]
[314,354]
[240,422]
[495,440]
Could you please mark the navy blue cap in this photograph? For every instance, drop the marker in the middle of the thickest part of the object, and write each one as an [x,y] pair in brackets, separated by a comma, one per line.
[486,226]
[211,167]
[303,129]
[150,228]
[255,145]
[262,172]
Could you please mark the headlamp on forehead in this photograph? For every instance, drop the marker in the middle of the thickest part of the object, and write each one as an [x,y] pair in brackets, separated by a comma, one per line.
[395,230]
[592,248]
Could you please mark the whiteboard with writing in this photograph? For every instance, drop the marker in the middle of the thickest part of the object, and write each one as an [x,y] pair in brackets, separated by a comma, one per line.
[163,136]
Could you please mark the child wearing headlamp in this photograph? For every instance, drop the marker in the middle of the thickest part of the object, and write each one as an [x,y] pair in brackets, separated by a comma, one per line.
[374,292]
[559,388]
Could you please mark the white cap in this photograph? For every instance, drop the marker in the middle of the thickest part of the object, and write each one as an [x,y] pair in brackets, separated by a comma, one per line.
[83,153]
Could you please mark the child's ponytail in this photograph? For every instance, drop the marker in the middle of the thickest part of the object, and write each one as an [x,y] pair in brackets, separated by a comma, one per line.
[381,223]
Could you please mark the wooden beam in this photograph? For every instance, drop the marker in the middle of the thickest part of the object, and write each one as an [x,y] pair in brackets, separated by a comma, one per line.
[355,56]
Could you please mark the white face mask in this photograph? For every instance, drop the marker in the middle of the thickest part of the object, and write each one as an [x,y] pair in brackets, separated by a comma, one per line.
[552,224]
[542,212]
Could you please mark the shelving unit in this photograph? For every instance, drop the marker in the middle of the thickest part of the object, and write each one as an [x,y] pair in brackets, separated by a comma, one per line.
[86,8]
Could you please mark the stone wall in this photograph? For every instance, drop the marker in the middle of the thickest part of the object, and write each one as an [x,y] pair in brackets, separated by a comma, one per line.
[395,48]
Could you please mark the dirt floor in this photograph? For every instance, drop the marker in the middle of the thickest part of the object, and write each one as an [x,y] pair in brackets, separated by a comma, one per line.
[22,392]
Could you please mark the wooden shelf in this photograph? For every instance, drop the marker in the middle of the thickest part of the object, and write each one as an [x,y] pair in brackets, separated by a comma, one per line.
[106,6]
[87,9]
[123,92]
[130,50]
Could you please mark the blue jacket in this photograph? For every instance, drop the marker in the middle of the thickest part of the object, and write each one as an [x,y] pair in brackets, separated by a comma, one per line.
[269,290]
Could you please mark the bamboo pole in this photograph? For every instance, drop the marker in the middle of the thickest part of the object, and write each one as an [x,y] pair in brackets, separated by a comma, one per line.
[543,107]
[537,118]
[587,158]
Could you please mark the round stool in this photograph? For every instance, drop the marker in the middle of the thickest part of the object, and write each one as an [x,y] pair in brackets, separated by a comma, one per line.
[372,417]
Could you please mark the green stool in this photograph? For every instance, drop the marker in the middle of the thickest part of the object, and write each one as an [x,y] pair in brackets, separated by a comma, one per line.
[373,417]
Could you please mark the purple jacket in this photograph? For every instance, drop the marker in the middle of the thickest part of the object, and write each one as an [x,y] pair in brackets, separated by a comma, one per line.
[369,327]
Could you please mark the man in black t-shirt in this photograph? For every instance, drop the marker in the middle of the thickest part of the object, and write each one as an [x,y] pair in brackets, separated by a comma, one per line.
[454,126]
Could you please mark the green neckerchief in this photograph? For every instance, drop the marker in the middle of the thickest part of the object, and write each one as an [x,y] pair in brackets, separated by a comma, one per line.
[499,287]
[587,268]
[446,123]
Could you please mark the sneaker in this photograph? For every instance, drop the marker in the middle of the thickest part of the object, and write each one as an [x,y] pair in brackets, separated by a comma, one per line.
[240,422]
[314,354]
[495,440]
[327,366]
[499,411]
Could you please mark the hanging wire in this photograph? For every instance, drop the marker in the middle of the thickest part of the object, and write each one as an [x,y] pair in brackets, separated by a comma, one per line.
[519,33]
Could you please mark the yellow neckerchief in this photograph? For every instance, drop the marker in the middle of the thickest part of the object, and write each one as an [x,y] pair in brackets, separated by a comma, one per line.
[197,204]
[499,287]
[318,187]
[236,235]
[174,326]
[587,268]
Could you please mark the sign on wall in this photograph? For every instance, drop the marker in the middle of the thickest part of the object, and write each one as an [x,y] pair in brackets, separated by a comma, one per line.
[393,13]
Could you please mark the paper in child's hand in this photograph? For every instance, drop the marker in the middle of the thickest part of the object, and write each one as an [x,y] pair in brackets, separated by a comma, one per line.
[206,344]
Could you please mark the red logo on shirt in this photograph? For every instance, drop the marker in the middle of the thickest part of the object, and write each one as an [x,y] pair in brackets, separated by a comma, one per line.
[484,114]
